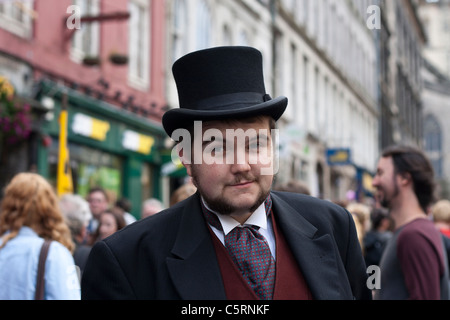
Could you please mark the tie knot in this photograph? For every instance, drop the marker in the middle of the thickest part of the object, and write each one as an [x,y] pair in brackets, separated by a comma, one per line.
[250,252]
[214,221]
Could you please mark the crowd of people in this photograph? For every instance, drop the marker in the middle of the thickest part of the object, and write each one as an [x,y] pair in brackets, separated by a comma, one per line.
[236,236]
[31,212]
[376,227]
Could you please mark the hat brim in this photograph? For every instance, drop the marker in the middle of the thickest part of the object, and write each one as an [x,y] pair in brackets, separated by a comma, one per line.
[183,118]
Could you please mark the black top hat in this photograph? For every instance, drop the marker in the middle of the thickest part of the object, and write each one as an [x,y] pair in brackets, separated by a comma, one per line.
[220,83]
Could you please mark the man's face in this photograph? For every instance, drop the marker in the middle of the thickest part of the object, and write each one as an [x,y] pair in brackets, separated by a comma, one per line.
[386,183]
[97,203]
[232,177]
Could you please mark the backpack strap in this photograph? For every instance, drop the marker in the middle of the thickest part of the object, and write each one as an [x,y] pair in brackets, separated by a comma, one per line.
[40,283]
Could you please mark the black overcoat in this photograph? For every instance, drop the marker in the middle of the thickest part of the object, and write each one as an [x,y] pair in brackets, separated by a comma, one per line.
[171,255]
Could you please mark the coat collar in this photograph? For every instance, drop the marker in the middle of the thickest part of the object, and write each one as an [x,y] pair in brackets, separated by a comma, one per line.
[196,274]
[193,268]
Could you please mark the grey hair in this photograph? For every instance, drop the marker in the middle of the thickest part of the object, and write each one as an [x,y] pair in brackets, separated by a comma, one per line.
[76,211]
[154,203]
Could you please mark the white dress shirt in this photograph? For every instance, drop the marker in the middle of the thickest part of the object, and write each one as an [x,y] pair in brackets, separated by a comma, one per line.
[258,218]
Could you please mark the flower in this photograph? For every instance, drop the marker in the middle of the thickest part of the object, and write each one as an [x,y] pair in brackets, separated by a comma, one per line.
[15,122]
[6,88]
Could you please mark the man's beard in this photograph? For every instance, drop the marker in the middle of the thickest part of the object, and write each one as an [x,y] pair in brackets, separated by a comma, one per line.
[222,206]
[386,202]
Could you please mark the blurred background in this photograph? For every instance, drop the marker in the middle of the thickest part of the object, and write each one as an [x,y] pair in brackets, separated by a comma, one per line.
[359,74]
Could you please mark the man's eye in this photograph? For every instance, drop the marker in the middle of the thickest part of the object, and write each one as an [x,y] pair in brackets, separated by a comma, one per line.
[254,146]
[216,148]
[219,149]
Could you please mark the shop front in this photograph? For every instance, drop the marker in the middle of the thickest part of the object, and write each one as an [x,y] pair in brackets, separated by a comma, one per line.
[108,147]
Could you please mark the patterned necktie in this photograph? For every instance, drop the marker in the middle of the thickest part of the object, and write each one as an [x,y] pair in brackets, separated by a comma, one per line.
[250,252]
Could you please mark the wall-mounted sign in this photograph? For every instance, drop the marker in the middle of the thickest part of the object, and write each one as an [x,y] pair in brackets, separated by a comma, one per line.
[90,127]
[339,157]
[137,142]
[367,182]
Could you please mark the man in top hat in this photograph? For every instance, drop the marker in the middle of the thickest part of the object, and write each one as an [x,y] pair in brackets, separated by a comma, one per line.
[235,238]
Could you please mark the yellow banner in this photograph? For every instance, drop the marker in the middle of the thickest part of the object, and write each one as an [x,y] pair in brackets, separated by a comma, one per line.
[145,144]
[99,129]
[137,142]
[64,182]
[367,182]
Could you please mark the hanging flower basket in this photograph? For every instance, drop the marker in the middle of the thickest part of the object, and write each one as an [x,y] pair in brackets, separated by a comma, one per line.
[15,117]
[118,58]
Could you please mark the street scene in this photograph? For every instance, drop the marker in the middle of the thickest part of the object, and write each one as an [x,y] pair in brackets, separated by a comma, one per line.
[115,110]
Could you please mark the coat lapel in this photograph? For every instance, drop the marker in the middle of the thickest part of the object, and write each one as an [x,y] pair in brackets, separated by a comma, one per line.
[195,272]
[193,268]
[316,255]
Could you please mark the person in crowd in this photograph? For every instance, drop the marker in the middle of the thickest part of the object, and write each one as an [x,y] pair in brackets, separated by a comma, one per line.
[361,215]
[98,202]
[29,215]
[359,230]
[125,205]
[440,212]
[150,207]
[182,192]
[378,236]
[110,221]
[77,214]
[234,238]
[413,264]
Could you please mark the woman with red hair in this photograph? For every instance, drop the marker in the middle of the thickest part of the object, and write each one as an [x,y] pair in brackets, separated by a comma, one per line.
[29,215]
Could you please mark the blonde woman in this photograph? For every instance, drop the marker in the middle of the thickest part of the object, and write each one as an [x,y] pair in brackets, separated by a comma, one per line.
[29,215]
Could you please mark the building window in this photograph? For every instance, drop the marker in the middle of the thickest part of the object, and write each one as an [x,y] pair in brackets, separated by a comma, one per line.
[306,16]
[293,81]
[278,57]
[90,168]
[16,17]
[179,29]
[243,39]
[433,143]
[227,36]
[85,42]
[203,25]
[306,106]
[139,44]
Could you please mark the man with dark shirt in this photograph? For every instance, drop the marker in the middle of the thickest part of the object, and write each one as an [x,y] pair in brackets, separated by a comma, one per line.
[413,264]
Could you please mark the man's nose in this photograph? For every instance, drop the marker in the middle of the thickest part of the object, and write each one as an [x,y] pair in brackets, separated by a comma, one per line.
[240,165]
[375,181]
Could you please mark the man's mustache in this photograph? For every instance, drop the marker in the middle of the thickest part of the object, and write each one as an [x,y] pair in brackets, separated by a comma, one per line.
[243,178]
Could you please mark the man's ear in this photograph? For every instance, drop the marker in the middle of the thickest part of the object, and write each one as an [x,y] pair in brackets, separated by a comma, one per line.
[405,178]
[188,167]
[185,159]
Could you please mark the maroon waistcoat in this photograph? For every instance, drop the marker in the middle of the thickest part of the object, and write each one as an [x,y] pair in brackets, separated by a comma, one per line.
[289,281]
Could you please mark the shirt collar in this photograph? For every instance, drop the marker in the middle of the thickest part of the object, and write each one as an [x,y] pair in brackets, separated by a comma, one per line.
[24,231]
[258,218]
